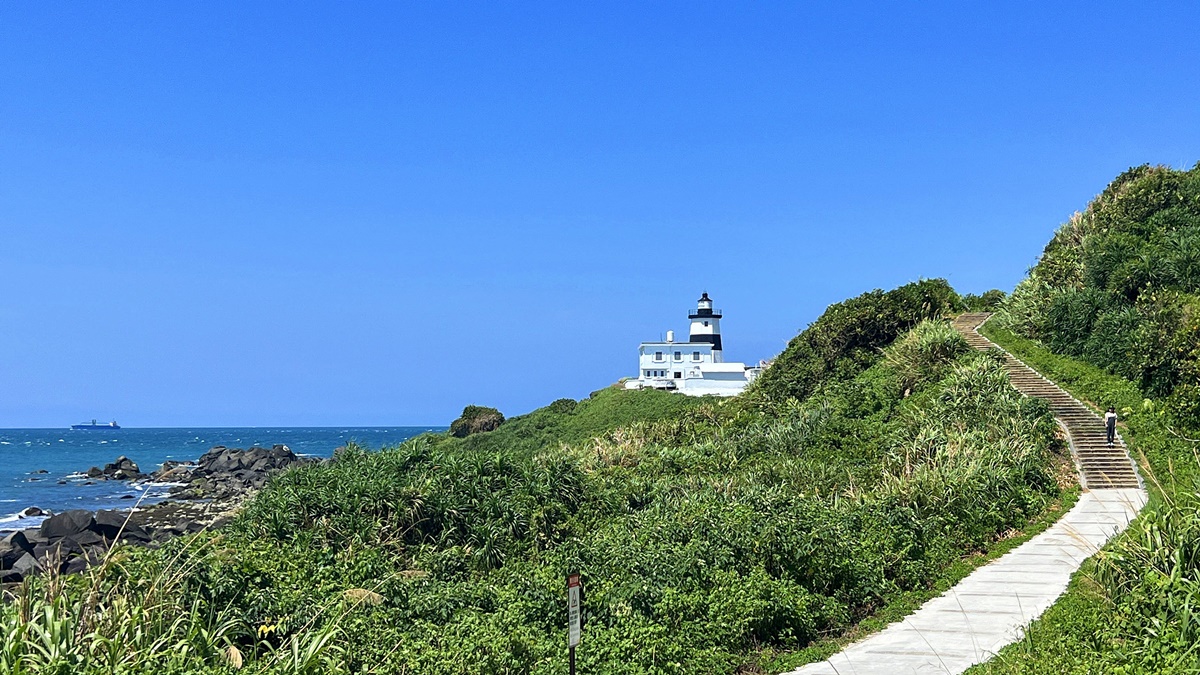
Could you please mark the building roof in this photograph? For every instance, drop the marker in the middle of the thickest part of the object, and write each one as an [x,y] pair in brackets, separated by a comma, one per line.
[721,367]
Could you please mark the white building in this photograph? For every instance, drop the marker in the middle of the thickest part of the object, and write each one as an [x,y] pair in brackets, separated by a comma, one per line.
[696,367]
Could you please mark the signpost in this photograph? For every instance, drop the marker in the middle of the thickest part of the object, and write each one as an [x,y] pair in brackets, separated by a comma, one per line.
[573,616]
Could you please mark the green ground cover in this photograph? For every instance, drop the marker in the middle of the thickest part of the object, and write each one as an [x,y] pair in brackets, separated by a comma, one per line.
[740,535]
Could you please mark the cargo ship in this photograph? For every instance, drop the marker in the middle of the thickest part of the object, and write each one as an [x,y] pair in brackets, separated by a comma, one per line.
[93,425]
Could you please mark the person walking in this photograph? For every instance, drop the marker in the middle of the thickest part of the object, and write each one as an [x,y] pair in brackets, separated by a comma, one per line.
[1110,425]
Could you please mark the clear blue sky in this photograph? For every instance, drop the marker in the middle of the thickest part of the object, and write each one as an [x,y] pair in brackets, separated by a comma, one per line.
[248,213]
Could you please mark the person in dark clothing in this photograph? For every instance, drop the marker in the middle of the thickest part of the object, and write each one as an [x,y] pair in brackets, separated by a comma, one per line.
[1110,425]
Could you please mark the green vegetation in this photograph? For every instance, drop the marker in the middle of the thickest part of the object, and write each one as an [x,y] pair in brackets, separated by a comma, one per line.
[476,419]
[1133,608]
[846,339]
[714,536]
[1117,287]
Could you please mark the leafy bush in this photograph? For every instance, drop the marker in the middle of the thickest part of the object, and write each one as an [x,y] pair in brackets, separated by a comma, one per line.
[924,352]
[987,302]
[846,339]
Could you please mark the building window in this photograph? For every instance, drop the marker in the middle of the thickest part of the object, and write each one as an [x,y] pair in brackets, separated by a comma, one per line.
[658,356]
[706,323]
[695,356]
[678,356]
[678,374]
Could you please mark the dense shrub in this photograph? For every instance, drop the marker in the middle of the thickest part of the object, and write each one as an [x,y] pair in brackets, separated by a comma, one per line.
[987,302]
[846,339]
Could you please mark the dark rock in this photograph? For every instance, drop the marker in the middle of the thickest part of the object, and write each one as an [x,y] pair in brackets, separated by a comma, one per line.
[12,548]
[190,526]
[109,523]
[95,472]
[88,538]
[122,469]
[76,565]
[126,497]
[35,537]
[67,523]
[62,482]
[33,512]
[64,548]
[10,554]
[26,565]
[41,471]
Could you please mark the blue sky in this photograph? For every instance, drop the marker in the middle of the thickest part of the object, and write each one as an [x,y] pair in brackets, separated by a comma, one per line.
[249,213]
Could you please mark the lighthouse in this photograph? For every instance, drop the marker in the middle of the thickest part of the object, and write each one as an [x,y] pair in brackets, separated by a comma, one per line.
[706,326]
[696,367]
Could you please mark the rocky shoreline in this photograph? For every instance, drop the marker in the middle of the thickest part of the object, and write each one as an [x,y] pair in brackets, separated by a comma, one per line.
[207,494]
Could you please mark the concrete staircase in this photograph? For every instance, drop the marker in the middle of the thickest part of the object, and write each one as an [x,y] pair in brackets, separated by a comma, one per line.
[1100,467]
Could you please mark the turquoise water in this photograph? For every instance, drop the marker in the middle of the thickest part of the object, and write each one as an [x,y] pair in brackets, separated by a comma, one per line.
[64,454]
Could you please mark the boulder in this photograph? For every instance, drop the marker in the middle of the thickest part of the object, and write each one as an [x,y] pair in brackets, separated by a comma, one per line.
[88,538]
[64,548]
[121,469]
[109,523]
[9,555]
[95,472]
[26,565]
[75,565]
[66,524]
[12,548]
[33,512]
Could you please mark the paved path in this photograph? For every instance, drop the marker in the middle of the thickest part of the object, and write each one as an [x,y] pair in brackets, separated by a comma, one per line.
[990,608]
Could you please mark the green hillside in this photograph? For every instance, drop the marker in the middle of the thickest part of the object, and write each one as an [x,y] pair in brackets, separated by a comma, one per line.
[1117,287]
[875,458]
[1111,312]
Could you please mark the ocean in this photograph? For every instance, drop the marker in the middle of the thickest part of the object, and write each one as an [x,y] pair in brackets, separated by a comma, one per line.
[64,455]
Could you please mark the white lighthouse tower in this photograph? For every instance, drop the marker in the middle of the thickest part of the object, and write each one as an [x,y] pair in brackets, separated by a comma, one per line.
[706,326]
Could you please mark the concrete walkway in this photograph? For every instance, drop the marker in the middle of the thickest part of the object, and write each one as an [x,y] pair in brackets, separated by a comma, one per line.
[990,608]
